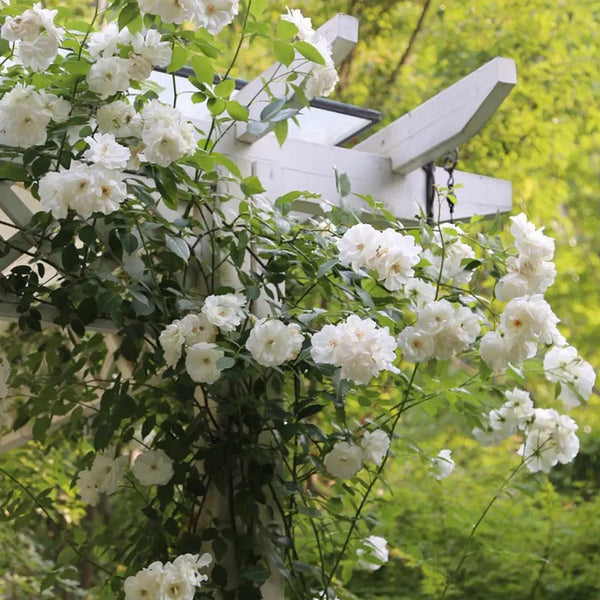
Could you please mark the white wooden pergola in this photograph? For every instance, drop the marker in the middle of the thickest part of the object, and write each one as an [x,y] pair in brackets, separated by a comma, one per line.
[387,165]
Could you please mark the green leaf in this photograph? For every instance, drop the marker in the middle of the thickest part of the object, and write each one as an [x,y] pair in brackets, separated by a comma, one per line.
[128,14]
[12,171]
[70,257]
[178,246]
[203,68]
[225,88]
[40,427]
[252,185]
[178,60]
[342,182]
[272,109]
[237,111]
[226,162]
[257,8]
[225,362]
[281,132]
[309,51]
[285,29]
[76,67]
[284,52]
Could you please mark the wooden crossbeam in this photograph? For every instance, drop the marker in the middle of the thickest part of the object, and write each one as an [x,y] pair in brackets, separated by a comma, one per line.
[340,31]
[446,120]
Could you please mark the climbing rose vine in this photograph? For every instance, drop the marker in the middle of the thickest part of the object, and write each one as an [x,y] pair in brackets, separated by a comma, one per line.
[241,370]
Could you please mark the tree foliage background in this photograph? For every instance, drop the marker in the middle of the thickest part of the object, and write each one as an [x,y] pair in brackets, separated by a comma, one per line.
[546,140]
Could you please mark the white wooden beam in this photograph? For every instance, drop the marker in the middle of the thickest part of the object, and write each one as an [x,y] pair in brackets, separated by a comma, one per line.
[446,120]
[340,31]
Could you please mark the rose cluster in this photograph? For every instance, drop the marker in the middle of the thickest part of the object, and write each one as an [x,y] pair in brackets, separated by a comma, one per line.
[152,467]
[177,580]
[358,346]
[549,437]
[345,459]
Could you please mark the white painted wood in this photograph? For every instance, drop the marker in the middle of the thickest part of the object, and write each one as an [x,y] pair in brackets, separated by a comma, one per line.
[340,31]
[446,120]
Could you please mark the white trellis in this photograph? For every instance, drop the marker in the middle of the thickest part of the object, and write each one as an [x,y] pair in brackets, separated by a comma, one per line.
[387,165]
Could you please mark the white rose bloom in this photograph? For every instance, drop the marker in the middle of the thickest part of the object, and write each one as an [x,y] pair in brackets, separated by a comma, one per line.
[531,241]
[106,152]
[197,328]
[493,351]
[225,311]
[170,11]
[109,75]
[166,134]
[146,584]
[176,583]
[530,319]
[344,460]
[375,547]
[88,487]
[358,246]
[57,108]
[375,445]
[23,117]
[103,477]
[84,188]
[551,439]
[324,343]
[120,119]
[214,15]
[139,68]
[190,564]
[272,342]
[201,362]
[172,339]
[442,465]
[519,402]
[417,345]
[37,38]
[526,275]
[153,467]
[151,46]
[436,318]
[358,346]
[322,79]
[420,292]
[576,376]
[37,55]
[395,258]
[304,24]
[4,375]
[106,42]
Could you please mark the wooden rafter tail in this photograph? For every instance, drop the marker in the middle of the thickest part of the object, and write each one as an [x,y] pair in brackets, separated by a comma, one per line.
[446,120]
[340,31]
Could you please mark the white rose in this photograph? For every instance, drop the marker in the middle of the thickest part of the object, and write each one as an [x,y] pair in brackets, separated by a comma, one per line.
[106,152]
[442,465]
[201,362]
[375,547]
[416,345]
[344,460]
[304,24]
[214,15]
[272,342]
[145,585]
[225,311]
[109,75]
[197,328]
[358,246]
[153,467]
[375,445]
[172,339]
